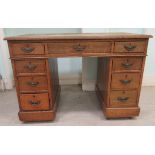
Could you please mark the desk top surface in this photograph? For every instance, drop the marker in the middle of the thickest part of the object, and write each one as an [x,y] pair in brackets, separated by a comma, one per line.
[78,36]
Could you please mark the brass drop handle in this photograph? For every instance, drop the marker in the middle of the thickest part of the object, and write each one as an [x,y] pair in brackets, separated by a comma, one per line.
[34,103]
[129,47]
[33,84]
[122,99]
[127,65]
[79,48]
[30,67]
[125,81]
[27,49]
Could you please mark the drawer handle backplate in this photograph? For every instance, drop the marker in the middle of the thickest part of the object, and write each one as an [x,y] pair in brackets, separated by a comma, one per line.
[127,65]
[125,81]
[27,49]
[34,103]
[33,84]
[123,99]
[79,47]
[30,67]
[129,47]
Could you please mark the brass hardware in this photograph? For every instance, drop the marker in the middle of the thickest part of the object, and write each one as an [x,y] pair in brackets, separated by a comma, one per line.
[34,103]
[129,47]
[79,47]
[125,81]
[27,49]
[126,65]
[122,99]
[31,67]
[33,84]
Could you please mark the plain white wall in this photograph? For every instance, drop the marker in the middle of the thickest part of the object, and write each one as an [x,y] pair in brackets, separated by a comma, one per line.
[5,64]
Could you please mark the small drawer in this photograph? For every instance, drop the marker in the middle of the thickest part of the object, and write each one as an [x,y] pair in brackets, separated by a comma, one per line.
[32,83]
[125,80]
[123,99]
[130,47]
[30,66]
[27,48]
[34,102]
[78,47]
[120,64]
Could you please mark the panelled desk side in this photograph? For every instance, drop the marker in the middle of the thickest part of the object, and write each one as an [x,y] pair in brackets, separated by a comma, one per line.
[121,60]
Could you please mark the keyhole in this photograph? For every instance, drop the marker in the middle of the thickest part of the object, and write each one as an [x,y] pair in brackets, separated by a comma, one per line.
[123,92]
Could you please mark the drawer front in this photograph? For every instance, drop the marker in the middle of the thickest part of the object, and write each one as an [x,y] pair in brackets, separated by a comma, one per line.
[30,66]
[34,102]
[27,48]
[130,47]
[120,64]
[32,83]
[125,80]
[75,47]
[123,99]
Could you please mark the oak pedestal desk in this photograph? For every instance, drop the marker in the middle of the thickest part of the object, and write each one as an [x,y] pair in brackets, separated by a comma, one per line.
[121,59]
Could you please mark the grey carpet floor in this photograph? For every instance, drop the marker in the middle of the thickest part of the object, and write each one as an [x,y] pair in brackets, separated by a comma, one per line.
[79,108]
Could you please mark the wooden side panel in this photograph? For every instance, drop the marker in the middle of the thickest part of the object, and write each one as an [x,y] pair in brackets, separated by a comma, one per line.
[103,79]
[54,79]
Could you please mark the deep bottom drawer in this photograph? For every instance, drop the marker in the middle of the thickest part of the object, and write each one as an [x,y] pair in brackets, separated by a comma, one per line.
[123,99]
[34,102]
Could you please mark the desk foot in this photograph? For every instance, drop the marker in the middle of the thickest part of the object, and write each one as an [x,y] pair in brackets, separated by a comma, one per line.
[121,112]
[37,116]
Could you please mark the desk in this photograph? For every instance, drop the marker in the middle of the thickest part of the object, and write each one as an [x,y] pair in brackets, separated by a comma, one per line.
[121,59]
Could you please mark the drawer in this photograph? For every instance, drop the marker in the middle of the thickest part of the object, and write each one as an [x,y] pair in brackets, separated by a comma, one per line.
[123,99]
[125,80]
[75,47]
[34,102]
[132,47]
[27,48]
[120,64]
[32,83]
[30,66]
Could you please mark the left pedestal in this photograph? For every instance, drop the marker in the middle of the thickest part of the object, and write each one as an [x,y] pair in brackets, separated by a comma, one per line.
[37,82]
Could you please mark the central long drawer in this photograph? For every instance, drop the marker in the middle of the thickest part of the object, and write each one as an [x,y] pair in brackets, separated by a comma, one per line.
[78,47]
